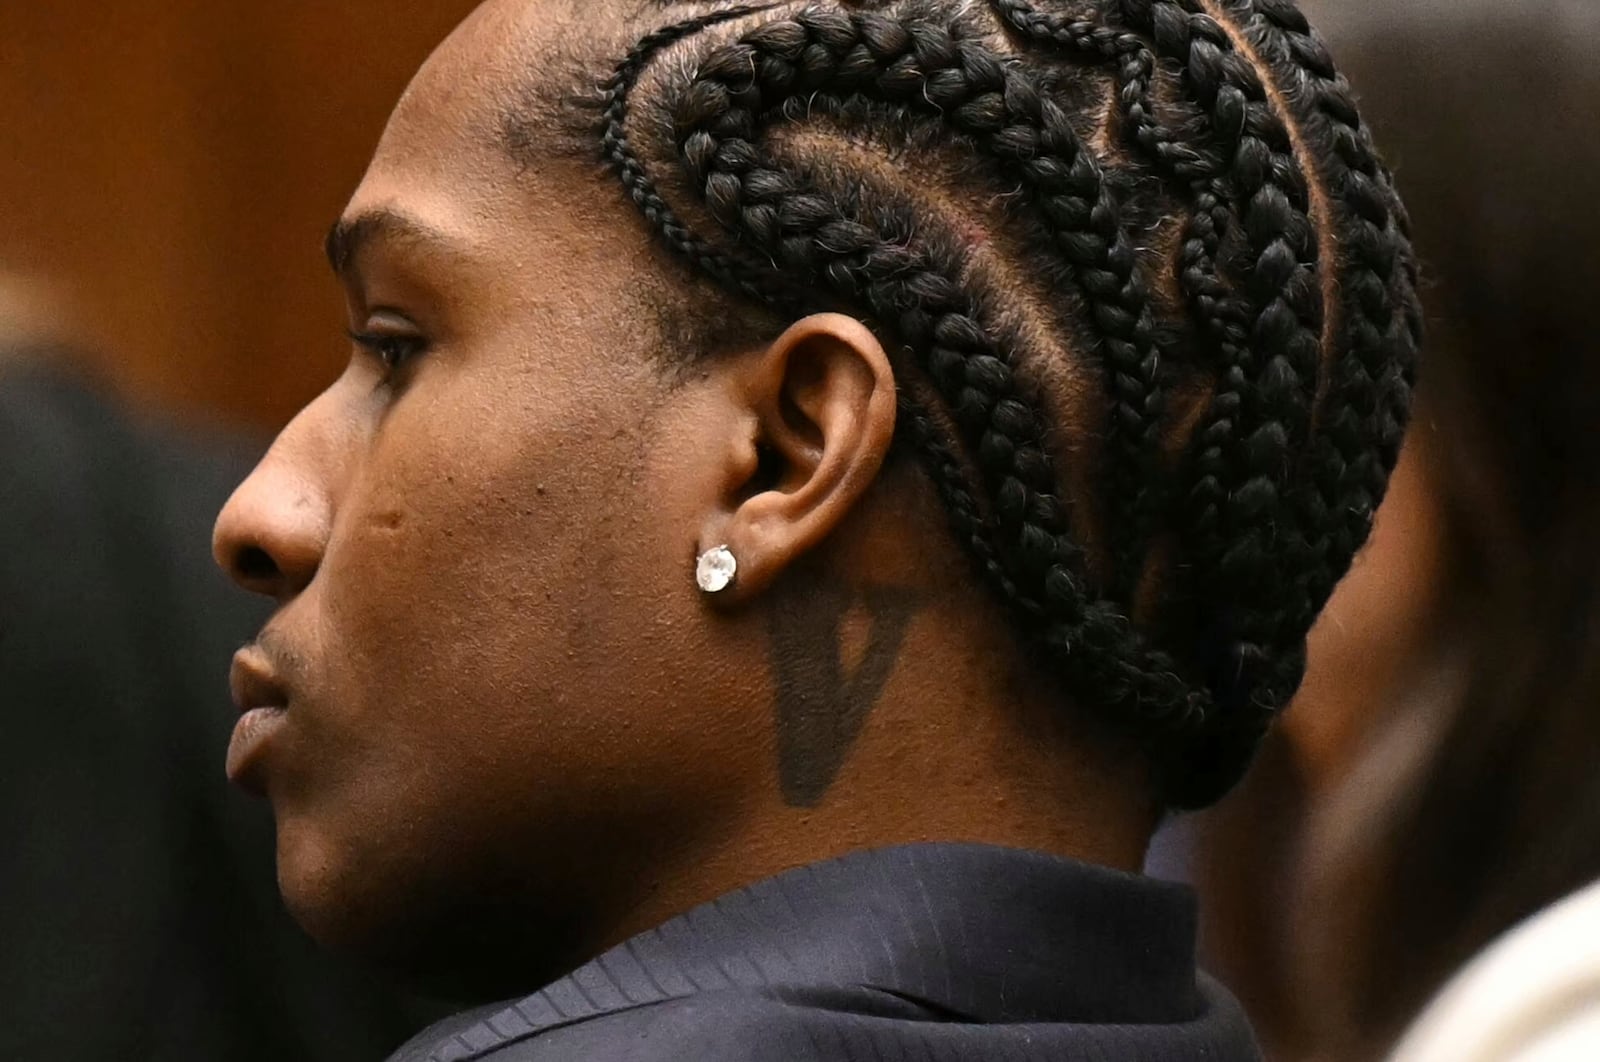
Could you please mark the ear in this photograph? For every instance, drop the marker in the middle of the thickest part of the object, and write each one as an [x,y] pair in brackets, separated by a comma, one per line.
[819,414]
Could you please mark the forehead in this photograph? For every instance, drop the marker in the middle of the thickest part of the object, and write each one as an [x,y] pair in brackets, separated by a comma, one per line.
[444,159]
[444,146]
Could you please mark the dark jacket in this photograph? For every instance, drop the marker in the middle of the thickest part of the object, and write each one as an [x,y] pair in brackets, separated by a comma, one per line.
[924,952]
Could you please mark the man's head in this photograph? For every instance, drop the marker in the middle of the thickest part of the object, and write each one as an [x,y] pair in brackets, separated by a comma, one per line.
[1040,370]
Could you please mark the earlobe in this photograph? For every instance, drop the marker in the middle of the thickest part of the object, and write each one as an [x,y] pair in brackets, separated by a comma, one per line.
[822,396]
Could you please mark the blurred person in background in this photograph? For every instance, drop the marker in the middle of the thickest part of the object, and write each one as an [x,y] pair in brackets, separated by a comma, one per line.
[1438,782]
[137,915]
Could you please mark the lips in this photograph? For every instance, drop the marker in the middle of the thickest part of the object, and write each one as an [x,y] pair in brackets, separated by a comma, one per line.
[263,705]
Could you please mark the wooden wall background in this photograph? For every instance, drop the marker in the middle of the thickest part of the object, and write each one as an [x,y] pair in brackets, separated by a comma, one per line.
[170,166]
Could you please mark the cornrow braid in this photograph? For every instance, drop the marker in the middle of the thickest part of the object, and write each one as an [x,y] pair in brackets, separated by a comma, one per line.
[1382,313]
[1243,541]
[728,268]
[1225,527]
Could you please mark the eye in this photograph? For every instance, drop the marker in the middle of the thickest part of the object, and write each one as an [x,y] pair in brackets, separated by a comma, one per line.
[392,349]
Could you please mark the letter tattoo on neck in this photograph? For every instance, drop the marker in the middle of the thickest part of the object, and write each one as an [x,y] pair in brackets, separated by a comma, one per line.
[823,699]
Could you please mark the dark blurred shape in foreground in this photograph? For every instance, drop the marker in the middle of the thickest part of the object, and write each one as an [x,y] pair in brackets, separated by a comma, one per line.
[137,906]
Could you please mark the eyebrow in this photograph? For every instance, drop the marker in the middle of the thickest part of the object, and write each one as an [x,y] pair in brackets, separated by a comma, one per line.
[348,236]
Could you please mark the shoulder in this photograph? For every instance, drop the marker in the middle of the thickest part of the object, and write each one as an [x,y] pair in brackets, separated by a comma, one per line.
[815,1025]
[1536,989]
[725,1026]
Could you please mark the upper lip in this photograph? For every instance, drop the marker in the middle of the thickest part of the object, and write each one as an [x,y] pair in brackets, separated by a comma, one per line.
[253,684]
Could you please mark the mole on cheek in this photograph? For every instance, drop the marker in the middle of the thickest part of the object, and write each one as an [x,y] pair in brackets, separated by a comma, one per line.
[389,520]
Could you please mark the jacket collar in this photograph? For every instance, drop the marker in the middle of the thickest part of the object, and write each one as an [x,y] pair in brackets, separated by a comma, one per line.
[975,932]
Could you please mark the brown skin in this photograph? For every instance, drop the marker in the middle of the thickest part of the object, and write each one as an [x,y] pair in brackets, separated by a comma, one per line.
[510,711]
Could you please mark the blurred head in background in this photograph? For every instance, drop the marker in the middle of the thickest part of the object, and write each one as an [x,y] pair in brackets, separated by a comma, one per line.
[1449,732]
[31,317]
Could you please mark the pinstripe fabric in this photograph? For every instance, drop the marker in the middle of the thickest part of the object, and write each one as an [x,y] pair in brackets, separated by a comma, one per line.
[921,953]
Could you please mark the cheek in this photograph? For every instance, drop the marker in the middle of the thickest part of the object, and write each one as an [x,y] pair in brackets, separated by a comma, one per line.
[461,581]
[510,650]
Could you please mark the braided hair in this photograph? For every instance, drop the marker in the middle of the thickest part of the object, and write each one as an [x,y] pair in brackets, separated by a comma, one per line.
[1219,253]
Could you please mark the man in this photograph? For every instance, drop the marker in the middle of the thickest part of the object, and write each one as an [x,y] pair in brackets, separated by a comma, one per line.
[781,576]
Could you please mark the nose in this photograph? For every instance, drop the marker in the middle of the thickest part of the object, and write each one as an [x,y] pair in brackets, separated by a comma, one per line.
[270,536]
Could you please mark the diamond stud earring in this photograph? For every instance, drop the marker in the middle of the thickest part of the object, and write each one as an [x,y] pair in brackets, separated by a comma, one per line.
[715,569]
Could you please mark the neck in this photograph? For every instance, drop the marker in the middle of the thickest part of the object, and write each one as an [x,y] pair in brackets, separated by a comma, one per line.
[899,709]
[952,748]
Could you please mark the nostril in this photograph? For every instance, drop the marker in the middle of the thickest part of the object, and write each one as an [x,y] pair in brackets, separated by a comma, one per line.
[254,565]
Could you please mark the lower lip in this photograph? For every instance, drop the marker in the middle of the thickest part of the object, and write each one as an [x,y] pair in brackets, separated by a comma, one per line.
[250,736]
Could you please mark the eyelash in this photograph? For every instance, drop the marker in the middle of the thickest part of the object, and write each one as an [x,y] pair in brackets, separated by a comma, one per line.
[392,351]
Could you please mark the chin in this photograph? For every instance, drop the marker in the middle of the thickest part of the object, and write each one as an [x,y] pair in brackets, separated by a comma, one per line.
[433,927]
[338,906]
